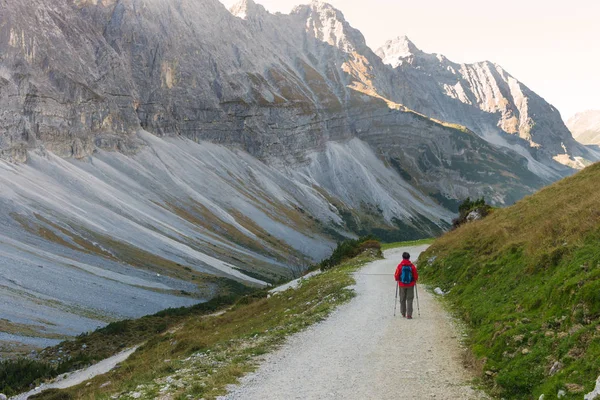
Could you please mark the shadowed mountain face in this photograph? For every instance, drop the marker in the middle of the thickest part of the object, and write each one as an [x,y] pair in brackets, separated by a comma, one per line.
[158,149]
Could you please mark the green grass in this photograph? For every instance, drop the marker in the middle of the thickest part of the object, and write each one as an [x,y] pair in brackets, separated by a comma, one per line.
[387,246]
[526,280]
[201,355]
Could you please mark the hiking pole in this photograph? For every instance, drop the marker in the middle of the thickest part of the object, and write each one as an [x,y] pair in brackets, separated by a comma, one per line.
[418,308]
[396,299]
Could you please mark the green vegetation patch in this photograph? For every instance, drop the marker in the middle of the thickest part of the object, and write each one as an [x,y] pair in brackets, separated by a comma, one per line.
[349,249]
[16,375]
[206,354]
[478,206]
[526,279]
[388,246]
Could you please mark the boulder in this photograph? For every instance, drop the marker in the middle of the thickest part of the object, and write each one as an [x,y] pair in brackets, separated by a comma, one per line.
[557,366]
[474,215]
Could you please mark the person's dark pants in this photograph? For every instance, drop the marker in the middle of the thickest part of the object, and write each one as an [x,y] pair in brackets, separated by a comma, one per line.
[407,294]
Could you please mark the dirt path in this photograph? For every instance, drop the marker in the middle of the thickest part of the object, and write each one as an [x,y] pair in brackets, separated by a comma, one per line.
[363,352]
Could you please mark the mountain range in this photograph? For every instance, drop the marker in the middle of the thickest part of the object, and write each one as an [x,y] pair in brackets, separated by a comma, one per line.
[156,153]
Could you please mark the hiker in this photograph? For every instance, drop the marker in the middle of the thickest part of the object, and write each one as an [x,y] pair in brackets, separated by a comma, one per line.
[406,275]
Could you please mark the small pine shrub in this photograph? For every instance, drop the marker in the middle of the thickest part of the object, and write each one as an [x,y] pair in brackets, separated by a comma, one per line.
[115,328]
[17,375]
[349,249]
[468,206]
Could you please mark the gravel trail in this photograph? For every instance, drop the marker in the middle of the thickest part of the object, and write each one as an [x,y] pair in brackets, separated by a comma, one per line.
[362,352]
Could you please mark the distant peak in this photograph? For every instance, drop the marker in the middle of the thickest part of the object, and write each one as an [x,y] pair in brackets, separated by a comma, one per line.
[319,7]
[328,25]
[246,9]
[321,4]
[395,51]
[402,46]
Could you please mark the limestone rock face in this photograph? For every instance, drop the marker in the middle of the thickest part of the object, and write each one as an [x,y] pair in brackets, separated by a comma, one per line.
[60,82]
[397,51]
[483,97]
[86,75]
[585,127]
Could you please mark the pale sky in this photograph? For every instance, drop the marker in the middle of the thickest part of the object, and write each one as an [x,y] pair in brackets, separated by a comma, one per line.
[552,46]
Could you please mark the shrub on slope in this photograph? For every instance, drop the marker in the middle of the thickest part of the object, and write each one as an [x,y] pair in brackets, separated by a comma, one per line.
[350,248]
[527,281]
[469,207]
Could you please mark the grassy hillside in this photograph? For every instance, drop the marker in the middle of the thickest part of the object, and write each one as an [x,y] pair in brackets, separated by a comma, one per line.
[526,279]
[188,353]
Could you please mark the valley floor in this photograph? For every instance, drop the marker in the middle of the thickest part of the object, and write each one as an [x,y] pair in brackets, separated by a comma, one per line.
[363,352]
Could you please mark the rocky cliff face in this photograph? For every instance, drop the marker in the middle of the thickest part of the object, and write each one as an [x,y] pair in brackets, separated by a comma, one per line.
[485,98]
[83,75]
[585,127]
[90,74]
[158,149]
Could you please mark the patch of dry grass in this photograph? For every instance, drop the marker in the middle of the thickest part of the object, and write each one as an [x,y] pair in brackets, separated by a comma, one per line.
[558,216]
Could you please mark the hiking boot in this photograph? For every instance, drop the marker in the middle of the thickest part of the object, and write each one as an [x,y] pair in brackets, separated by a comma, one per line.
[409,317]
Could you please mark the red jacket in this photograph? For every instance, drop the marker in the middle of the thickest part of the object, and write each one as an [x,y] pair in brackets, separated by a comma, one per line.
[399,271]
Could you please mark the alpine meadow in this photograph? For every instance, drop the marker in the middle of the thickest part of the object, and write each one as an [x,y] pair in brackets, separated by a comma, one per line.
[526,279]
